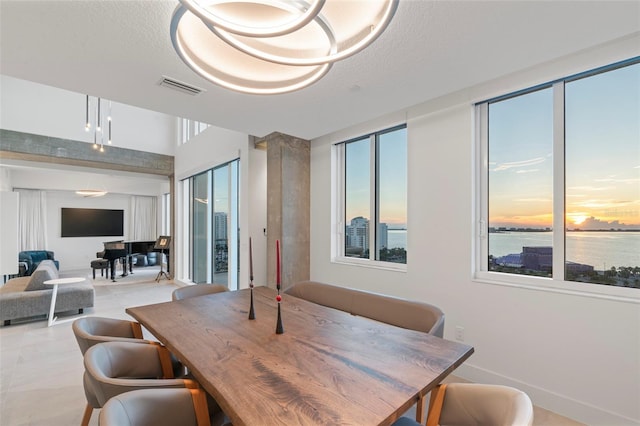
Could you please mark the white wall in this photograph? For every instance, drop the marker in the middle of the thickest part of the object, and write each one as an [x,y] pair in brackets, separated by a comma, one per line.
[213,147]
[9,240]
[578,355]
[44,110]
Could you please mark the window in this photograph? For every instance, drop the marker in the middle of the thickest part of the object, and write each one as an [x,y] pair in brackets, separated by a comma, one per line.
[213,225]
[191,128]
[560,174]
[165,228]
[372,200]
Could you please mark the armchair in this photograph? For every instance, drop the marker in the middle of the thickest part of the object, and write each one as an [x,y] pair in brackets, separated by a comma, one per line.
[33,258]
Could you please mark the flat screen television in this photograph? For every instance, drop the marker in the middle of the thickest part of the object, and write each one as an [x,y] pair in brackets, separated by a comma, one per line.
[92,222]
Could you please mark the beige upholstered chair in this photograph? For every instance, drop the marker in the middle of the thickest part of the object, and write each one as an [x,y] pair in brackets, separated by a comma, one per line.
[473,404]
[92,330]
[197,290]
[112,368]
[159,407]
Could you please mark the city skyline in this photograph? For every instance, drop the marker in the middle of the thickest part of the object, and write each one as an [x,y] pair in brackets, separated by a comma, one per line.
[602,155]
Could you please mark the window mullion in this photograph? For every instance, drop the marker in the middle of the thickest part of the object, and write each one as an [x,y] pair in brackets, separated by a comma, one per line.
[340,209]
[482,185]
[373,200]
[559,217]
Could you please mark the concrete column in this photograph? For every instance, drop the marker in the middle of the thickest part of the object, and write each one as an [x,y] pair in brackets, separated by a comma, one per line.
[288,201]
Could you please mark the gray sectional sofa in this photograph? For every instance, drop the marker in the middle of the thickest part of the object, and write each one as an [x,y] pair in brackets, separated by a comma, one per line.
[27,297]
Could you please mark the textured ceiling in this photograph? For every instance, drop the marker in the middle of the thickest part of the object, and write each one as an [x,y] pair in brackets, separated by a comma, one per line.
[120,50]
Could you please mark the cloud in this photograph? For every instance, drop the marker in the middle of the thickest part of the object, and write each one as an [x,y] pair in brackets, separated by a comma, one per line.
[592,223]
[518,164]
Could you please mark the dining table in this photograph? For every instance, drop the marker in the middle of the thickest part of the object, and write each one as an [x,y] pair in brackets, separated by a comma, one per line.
[327,367]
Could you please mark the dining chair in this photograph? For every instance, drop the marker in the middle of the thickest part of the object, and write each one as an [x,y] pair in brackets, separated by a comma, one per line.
[474,404]
[90,331]
[159,407]
[93,330]
[196,290]
[112,368]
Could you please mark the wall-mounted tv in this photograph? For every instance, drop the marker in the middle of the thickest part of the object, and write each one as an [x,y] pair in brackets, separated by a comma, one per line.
[92,222]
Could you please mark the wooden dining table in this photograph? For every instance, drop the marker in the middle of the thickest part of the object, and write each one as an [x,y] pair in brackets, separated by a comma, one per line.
[328,367]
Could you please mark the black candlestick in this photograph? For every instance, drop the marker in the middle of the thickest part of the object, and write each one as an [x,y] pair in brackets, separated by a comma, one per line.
[252,314]
[279,328]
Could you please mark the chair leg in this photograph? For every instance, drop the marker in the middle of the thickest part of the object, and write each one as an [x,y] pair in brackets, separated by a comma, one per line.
[94,273]
[87,415]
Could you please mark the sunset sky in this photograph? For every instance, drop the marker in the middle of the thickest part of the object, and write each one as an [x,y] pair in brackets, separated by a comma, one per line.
[393,179]
[602,155]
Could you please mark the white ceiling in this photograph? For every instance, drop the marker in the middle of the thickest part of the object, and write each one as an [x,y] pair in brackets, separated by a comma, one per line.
[119,50]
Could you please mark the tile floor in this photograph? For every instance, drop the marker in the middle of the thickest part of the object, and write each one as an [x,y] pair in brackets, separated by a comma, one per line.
[41,367]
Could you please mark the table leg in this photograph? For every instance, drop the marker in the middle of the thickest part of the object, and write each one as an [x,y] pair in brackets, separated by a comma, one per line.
[420,405]
[54,296]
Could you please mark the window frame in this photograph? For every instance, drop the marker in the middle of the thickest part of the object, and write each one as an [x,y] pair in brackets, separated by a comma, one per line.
[557,282]
[339,203]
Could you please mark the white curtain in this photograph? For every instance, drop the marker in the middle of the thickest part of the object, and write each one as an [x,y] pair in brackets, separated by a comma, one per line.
[143,217]
[32,223]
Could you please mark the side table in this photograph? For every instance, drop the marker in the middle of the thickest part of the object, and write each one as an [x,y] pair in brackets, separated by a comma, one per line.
[55,283]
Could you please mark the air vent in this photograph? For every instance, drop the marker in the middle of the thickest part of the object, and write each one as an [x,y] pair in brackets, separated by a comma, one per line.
[180,86]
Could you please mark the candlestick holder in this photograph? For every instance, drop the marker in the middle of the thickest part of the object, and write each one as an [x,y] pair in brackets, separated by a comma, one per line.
[252,314]
[279,328]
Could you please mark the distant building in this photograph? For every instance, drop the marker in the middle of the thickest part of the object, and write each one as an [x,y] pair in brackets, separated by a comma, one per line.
[510,260]
[357,234]
[383,233]
[537,258]
[220,223]
[578,268]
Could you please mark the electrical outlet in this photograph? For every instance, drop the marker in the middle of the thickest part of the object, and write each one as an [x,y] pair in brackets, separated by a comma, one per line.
[459,333]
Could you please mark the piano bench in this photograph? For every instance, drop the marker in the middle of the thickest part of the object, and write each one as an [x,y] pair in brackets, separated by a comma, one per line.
[101,264]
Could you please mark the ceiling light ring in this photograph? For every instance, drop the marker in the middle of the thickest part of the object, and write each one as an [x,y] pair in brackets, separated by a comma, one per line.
[389,12]
[179,12]
[309,11]
[259,54]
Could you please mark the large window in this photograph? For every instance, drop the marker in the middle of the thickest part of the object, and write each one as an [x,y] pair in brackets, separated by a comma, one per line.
[372,197]
[561,179]
[214,225]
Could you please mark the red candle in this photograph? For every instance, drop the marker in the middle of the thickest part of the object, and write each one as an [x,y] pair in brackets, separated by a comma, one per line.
[250,261]
[278,264]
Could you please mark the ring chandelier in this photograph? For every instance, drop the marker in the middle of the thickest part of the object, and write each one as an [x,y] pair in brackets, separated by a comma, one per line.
[269,47]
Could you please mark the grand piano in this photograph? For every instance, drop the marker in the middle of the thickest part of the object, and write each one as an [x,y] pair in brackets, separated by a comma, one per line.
[125,250]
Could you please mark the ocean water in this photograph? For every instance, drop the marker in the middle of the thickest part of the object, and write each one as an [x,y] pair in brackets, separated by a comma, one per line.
[601,250]
[397,238]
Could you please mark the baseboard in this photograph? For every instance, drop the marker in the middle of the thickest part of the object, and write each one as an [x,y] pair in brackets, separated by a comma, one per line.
[549,400]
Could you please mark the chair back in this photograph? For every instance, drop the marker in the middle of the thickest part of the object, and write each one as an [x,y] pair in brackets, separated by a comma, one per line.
[197,290]
[93,330]
[480,404]
[116,367]
[158,407]
[409,314]
[474,404]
